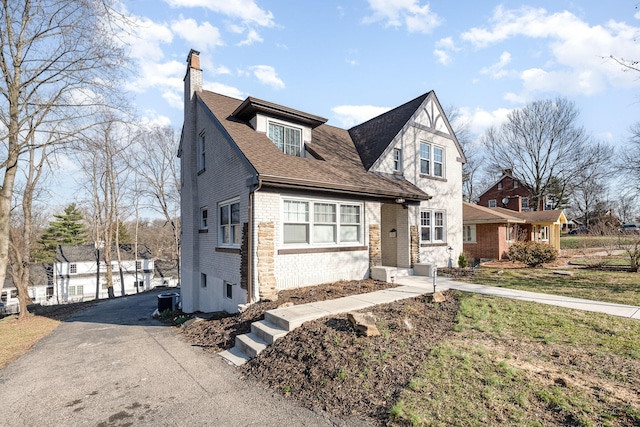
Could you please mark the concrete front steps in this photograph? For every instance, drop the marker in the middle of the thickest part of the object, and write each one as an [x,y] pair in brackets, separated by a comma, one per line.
[263,334]
[278,322]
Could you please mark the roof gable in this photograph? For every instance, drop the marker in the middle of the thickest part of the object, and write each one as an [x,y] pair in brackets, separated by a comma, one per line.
[372,137]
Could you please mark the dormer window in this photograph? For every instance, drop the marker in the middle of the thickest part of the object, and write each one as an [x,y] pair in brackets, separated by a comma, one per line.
[286,138]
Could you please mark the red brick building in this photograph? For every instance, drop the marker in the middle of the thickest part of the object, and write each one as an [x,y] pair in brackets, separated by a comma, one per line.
[508,193]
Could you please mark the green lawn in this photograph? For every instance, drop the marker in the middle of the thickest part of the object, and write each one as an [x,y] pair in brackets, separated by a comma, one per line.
[610,286]
[588,241]
[526,364]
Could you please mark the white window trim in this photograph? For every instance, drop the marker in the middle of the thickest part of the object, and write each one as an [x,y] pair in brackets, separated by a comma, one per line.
[287,125]
[493,202]
[432,159]
[204,224]
[228,202]
[397,159]
[432,226]
[311,243]
[523,204]
[202,148]
[469,233]
[71,267]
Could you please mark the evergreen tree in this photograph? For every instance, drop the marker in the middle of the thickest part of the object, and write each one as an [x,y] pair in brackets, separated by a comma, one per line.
[65,229]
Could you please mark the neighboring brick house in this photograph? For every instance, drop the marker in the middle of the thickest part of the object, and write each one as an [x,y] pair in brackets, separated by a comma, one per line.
[274,198]
[489,232]
[508,192]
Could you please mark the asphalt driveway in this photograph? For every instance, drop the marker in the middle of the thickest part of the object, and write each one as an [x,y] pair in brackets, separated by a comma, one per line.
[113,365]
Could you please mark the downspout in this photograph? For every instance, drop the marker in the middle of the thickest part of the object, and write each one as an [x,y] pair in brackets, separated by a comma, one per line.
[250,283]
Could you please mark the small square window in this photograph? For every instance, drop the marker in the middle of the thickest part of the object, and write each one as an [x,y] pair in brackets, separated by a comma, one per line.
[493,203]
[73,268]
[138,265]
[515,184]
[499,186]
[204,218]
[228,290]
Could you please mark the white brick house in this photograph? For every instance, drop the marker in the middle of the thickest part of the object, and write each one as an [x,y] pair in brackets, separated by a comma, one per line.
[274,197]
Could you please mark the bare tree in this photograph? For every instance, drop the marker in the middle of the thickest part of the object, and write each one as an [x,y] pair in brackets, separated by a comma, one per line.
[22,239]
[156,165]
[628,160]
[470,170]
[57,60]
[542,142]
[103,159]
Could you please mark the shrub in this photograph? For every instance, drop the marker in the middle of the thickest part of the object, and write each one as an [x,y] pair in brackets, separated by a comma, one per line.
[532,254]
[462,260]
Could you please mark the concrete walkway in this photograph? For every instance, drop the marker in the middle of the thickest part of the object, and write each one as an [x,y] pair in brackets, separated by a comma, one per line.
[277,323]
[620,310]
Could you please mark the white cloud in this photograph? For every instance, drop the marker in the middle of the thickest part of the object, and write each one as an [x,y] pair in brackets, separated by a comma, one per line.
[158,75]
[480,120]
[447,43]
[408,13]
[151,118]
[252,37]
[497,70]
[224,90]
[144,38]
[246,10]
[204,36]
[576,50]
[351,115]
[173,98]
[443,57]
[267,75]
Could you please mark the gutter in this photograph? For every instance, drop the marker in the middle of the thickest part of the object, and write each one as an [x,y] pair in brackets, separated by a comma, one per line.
[255,184]
[284,182]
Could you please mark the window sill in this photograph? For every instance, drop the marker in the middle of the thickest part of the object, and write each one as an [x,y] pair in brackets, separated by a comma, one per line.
[228,250]
[431,245]
[469,243]
[434,178]
[321,250]
[201,171]
[203,230]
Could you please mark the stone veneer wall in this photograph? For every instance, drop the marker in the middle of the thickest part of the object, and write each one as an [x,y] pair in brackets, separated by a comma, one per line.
[375,248]
[415,245]
[266,250]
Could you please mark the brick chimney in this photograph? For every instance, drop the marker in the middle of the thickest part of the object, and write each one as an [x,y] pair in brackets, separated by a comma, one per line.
[193,78]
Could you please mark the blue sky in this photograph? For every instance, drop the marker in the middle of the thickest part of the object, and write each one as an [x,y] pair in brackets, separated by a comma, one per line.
[351,60]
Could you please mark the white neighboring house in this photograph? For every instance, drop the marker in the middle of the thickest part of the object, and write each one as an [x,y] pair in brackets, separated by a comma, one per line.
[75,273]
[40,289]
[274,198]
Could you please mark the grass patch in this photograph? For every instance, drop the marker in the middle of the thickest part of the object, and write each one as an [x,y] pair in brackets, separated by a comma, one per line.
[501,368]
[17,337]
[591,241]
[619,287]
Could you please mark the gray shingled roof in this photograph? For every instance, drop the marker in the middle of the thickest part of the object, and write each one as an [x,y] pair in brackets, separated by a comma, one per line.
[336,166]
[83,253]
[372,137]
